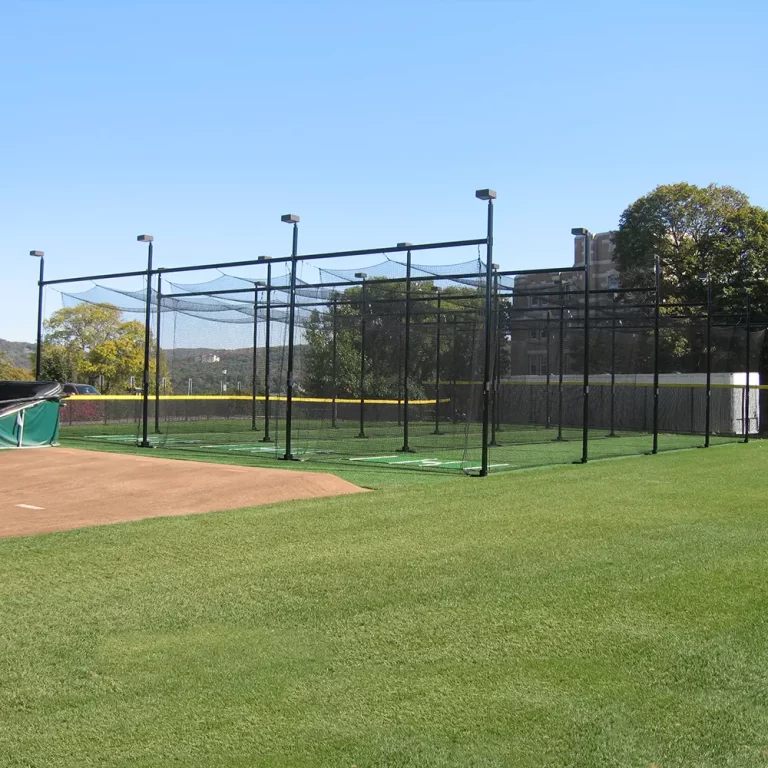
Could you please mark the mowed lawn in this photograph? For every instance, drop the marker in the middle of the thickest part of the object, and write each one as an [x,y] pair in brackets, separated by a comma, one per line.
[614,614]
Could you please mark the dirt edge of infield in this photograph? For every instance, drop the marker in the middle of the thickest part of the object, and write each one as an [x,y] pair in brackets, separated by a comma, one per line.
[59,489]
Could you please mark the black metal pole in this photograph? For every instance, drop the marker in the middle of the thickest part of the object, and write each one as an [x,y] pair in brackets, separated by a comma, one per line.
[39,339]
[407,358]
[612,433]
[747,367]
[147,340]
[585,418]
[159,300]
[455,370]
[253,360]
[291,321]
[306,257]
[548,418]
[656,335]
[495,365]
[488,336]
[437,367]
[708,401]
[335,365]
[267,356]
[399,375]
[497,405]
[362,360]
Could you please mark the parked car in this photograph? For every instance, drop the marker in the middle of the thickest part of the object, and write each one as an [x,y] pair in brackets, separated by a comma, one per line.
[80,389]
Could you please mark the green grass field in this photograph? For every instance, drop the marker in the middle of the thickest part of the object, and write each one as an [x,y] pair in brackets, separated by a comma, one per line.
[613,614]
[370,461]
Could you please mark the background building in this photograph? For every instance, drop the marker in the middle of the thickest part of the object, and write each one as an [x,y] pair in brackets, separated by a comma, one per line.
[532,338]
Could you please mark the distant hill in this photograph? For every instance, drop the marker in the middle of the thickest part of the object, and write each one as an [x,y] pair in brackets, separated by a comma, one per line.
[204,366]
[18,352]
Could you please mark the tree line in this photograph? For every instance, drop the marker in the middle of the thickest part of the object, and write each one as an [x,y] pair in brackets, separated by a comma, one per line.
[380,316]
[92,344]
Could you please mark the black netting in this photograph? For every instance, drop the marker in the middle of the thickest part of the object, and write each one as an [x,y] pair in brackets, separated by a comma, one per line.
[390,372]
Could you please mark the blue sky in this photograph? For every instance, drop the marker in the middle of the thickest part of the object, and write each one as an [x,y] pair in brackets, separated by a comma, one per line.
[201,123]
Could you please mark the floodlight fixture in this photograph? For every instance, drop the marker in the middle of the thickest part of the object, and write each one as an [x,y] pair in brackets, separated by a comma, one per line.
[485,194]
[405,245]
[290,218]
[37,254]
[361,275]
[145,238]
[580,232]
[264,258]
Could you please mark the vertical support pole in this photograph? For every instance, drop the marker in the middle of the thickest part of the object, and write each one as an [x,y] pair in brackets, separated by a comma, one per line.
[488,337]
[612,433]
[656,324]
[407,357]
[585,418]
[253,361]
[437,366]
[548,418]
[159,300]
[267,356]
[747,366]
[288,456]
[708,401]
[335,366]
[497,404]
[39,338]
[362,359]
[147,340]
[400,376]
[455,370]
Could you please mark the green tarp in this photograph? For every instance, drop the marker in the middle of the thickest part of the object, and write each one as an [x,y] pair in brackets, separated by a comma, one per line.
[29,414]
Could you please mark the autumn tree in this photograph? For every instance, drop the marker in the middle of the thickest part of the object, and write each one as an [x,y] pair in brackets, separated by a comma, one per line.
[91,343]
[11,372]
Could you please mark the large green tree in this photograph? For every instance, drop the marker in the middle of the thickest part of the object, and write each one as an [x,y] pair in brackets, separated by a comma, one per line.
[92,343]
[697,231]
[384,312]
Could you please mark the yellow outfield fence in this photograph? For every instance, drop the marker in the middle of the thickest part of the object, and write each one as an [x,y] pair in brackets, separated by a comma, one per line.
[250,398]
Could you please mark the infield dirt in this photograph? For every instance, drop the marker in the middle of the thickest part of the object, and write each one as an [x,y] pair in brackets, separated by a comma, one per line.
[56,489]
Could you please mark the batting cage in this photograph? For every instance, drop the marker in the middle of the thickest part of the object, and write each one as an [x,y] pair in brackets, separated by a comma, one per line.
[402,363]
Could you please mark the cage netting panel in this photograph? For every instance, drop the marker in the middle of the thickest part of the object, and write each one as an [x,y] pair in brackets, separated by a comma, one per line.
[354,352]
[218,352]
[96,337]
[621,374]
[445,371]
[537,399]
